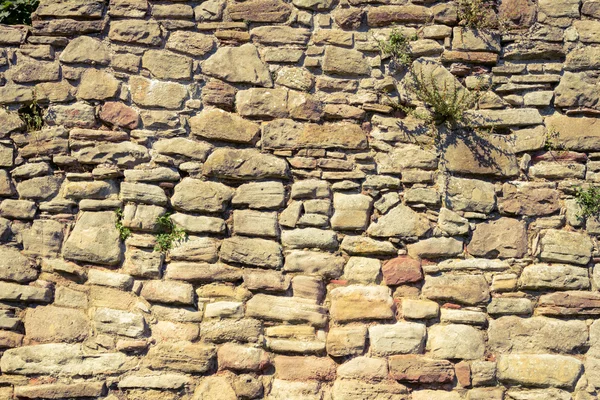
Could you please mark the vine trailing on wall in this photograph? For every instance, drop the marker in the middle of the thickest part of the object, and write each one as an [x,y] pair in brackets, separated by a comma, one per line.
[17,12]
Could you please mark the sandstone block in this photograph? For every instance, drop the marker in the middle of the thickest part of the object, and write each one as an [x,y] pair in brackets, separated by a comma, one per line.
[181,356]
[545,370]
[465,289]
[312,262]
[418,369]
[56,324]
[247,164]
[400,338]
[564,246]
[194,195]
[455,341]
[286,309]
[414,224]
[356,302]
[168,292]
[239,64]
[216,124]
[504,238]
[94,239]
[556,277]
[256,252]
[345,341]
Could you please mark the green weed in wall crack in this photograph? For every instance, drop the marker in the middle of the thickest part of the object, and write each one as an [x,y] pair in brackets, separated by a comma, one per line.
[168,234]
[397,46]
[124,232]
[589,201]
[32,114]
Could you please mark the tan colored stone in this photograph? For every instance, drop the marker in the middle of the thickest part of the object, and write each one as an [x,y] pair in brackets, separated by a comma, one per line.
[544,370]
[247,164]
[217,124]
[85,50]
[152,93]
[192,43]
[465,289]
[356,302]
[97,85]
[238,64]
[260,11]
[136,32]
[340,61]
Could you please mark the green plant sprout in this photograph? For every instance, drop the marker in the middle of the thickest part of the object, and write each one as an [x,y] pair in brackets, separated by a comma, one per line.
[168,233]
[588,200]
[124,232]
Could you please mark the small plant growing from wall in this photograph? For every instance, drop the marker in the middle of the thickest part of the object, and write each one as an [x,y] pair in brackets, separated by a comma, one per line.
[168,234]
[17,12]
[124,232]
[397,46]
[479,14]
[32,115]
[589,201]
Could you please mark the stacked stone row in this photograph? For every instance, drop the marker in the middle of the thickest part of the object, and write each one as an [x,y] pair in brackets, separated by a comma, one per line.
[332,251]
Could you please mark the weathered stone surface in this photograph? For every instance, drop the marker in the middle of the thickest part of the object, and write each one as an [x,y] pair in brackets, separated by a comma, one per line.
[465,289]
[154,381]
[94,239]
[400,338]
[85,50]
[250,251]
[455,341]
[286,309]
[583,59]
[312,262]
[192,43]
[259,195]
[304,368]
[182,356]
[467,155]
[418,369]
[280,35]
[354,389]
[260,11]
[344,341]
[470,195]
[16,267]
[60,391]
[63,359]
[220,331]
[564,246]
[555,277]
[351,211]
[340,61]
[530,199]
[414,224]
[576,134]
[544,370]
[195,195]
[504,238]
[309,238]
[135,32]
[167,65]
[119,115]
[405,157]
[238,64]
[355,302]
[43,239]
[152,93]
[435,247]
[387,15]
[24,293]
[402,269]
[578,89]
[244,164]
[217,124]
[168,292]
[40,188]
[182,147]
[285,134]
[536,335]
[119,322]
[569,303]
[56,324]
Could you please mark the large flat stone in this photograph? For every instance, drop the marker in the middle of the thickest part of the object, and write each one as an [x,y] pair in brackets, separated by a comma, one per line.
[62,359]
[480,155]
[94,239]
[181,356]
[247,164]
[419,369]
[399,338]
[413,224]
[576,134]
[528,198]
[56,324]
[464,289]
[536,335]
[194,195]
[135,32]
[15,267]
[565,246]
[286,309]
[153,93]
[470,195]
[251,251]
[356,302]
[503,238]
[569,303]
[217,124]
[286,134]
[238,65]
[544,370]
[554,276]
[340,61]
[61,390]
[578,89]
[455,341]
[260,11]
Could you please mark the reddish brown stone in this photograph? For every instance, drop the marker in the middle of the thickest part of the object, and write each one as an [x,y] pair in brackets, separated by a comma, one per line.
[387,15]
[10,339]
[304,368]
[118,114]
[348,18]
[419,369]
[520,13]
[401,270]
[531,199]
[463,373]
[569,303]
[470,57]
[560,156]
[219,94]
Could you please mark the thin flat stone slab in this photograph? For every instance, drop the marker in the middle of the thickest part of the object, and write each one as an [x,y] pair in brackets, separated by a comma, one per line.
[286,309]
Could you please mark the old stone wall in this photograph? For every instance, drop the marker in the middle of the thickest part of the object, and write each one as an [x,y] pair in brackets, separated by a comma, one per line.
[332,251]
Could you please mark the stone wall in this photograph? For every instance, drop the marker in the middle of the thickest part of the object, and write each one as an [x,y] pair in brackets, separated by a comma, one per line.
[332,251]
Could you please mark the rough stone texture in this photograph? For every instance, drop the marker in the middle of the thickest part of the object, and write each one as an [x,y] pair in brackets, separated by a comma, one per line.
[327,231]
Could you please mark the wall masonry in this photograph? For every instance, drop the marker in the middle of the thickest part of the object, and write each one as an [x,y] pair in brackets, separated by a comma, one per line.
[333,252]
